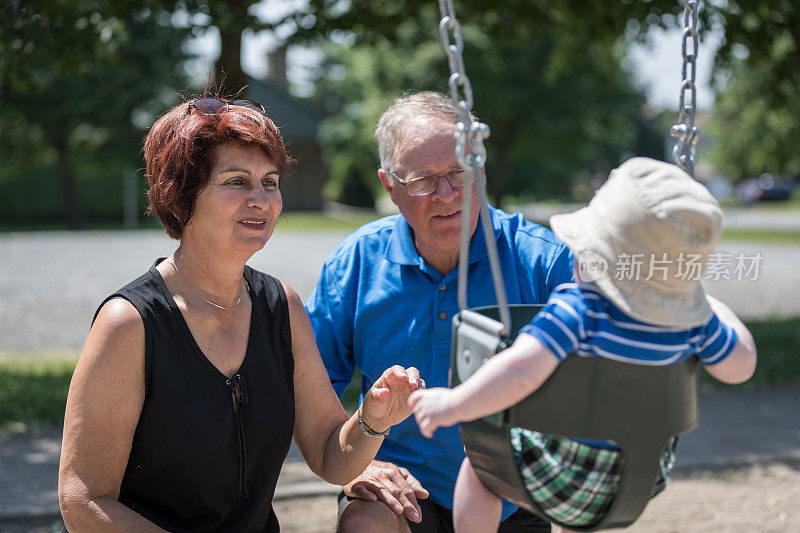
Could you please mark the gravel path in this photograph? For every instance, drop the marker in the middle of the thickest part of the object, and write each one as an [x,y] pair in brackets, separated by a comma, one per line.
[760,498]
[48,295]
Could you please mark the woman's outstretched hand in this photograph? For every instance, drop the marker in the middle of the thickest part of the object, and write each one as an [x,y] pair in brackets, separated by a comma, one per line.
[386,402]
[433,409]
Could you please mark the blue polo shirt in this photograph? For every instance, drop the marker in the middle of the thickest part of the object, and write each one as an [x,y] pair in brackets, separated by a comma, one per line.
[378,304]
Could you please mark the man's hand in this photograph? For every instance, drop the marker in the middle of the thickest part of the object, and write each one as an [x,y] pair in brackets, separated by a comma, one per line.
[390,484]
[386,402]
[433,409]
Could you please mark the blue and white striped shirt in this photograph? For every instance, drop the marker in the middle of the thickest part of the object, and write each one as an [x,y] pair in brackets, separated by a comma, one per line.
[579,319]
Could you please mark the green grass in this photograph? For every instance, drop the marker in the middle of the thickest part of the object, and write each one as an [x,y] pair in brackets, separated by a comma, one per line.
[763,236]
[33,387]
[778,343]
[320,221]
[792,204]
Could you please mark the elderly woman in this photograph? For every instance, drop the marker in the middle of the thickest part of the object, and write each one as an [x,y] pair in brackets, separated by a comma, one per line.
[195,377]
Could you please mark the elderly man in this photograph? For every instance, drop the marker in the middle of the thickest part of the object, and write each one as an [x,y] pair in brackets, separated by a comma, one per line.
[387,295]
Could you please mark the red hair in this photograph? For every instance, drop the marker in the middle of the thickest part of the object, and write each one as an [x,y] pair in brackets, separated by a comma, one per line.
[179,153]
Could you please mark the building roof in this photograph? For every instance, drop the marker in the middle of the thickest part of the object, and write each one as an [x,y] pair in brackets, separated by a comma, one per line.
[297,119]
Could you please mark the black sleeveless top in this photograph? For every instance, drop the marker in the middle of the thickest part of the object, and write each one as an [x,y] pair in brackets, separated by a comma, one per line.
[207,450]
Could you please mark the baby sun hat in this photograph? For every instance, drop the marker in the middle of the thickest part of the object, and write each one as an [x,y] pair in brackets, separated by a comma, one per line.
[644,239]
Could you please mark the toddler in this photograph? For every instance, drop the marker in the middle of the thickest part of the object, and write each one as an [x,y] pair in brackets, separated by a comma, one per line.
[642,242]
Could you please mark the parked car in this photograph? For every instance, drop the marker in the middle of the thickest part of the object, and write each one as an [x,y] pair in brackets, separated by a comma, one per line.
[720,187]
[766,188]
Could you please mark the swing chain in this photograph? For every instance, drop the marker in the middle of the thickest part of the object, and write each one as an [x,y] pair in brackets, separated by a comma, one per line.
[685,133]
[468,130]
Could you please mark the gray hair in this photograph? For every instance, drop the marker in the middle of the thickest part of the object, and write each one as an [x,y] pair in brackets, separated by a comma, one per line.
[414,111]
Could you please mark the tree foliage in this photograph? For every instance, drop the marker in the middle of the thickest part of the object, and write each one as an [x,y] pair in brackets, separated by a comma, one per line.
[80,81]
[752,27]
[753,133]
[756,70]
[547,126]
[757,113]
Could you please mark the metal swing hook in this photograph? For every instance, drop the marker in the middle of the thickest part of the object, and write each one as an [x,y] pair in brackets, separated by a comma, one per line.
[684,153]
[472,132]
[685,133]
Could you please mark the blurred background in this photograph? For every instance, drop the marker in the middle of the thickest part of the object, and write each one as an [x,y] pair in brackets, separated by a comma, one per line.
[569,89]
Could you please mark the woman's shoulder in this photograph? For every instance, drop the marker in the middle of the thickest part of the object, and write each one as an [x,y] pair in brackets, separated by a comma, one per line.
[144,288]
[149,278]
[137,295]
[120,316]
[118,334]
[123,310]
[270,292]
[260,284]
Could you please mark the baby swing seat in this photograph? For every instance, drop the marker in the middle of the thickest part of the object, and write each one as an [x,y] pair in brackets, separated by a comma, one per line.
[637,407]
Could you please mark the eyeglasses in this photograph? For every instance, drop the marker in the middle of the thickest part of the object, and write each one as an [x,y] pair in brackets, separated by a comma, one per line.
[425,185]
[211,106]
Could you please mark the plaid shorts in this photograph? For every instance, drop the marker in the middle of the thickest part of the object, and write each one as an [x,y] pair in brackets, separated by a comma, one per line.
[574,483]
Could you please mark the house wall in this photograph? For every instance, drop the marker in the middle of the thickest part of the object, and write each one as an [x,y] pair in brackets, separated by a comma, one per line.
[302,187]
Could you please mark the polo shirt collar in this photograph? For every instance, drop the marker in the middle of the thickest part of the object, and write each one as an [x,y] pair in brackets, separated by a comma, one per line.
[401,249]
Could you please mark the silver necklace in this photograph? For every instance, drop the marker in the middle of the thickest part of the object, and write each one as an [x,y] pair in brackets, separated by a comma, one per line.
[241,290]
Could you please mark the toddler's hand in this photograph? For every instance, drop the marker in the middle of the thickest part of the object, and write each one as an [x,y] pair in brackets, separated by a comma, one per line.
[433,409]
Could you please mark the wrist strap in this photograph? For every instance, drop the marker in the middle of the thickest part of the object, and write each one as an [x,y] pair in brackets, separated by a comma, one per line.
[368,431]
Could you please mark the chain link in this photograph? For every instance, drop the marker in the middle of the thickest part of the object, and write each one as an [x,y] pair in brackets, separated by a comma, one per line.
[685,133]
[470,133]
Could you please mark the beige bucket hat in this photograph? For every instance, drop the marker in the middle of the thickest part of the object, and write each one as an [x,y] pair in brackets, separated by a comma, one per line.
[644,239]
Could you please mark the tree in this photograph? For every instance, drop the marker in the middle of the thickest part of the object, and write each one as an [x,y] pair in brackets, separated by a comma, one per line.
[755,68]
[545,128]
[752,27]
[753,133]
[74,76]
[98,37]
[756,120]
[231,18]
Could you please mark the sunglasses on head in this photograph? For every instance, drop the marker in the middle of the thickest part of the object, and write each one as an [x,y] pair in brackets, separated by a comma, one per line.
[211,106]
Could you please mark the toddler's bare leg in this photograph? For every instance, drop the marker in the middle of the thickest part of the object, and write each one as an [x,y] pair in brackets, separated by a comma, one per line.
[475,508]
